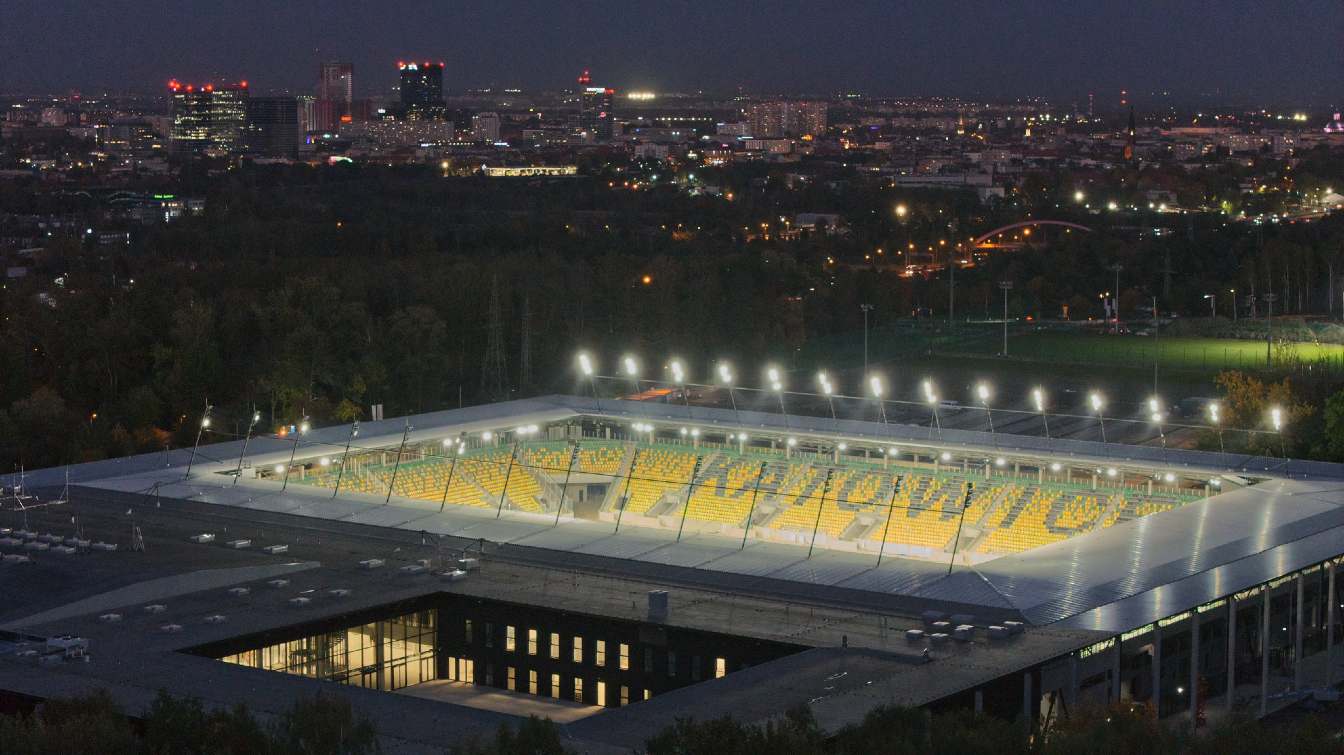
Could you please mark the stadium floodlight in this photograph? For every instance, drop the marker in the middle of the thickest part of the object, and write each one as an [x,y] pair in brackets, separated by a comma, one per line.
[585,364]
[256,417]
[931,398]
[777,385]
[631,368]
[725,371]
[1055,466]
[1276,418]
[487,436]
[279,468]
[303,430]
[983,392]
[828,390]
[1215,419]
[325,461]
[1110,471]
[945,456]
[792,442]
[695,432]
[205,425]
[843,446]
[354,431]
[1156,415]
[1097,403]
[679,378]
[875,385]
[1038,400]
[1000,462]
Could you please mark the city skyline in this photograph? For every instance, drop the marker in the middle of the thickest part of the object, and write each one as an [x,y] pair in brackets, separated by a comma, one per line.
[1175,55]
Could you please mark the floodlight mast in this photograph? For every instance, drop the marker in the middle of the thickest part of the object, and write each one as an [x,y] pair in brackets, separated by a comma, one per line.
[1098,404]
[1156,415]
[354,431]
[205,425]
[586,368]
[1215,419]
[983,392]
[931,398]
[631,371]
[1038,398]
[725,371]
[777,385]
[875,385]
[256,417]
[303,430]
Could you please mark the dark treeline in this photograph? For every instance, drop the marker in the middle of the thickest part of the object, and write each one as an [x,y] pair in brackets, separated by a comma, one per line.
[319,292]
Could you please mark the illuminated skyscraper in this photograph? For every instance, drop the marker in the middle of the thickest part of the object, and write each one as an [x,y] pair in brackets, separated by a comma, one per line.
[782,118]
[595,116]
[208,118]
[335,95]
[421,87]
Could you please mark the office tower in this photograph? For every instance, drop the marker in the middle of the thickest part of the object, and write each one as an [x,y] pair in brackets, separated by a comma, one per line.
[335,95]
[595,116]
[273,126]
[421,88]
[208,118]
[485,127]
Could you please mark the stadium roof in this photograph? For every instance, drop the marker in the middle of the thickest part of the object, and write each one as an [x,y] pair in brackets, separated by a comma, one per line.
[1112,579]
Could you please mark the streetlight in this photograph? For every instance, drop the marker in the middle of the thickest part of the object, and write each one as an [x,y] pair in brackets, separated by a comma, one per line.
[586,367]
[726,377]
[303,430]
[827,390]
[1038,399]
[1079,196]
[1233,291]
[982,392]
[631,371]
[1213,304]
[1276,418]
[1116,268]
[902,211]
[777,385]
[875,385]
[1216,421]
[205,425]
[1156,415]
[1097,403]
[1006,286]
[931,397]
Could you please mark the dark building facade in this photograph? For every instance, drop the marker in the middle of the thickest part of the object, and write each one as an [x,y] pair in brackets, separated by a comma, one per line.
[421,88]
[273,126]
[335,95]
[208,118]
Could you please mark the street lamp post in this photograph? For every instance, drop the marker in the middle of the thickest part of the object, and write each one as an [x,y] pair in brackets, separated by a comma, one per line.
[1213,305]
[1006,286]
[1116,268]
[875,384]
[1038,399]
[1233,291]
[1269,298]
[1095,400]
[1216,420]
[1156,415]
[1276,418]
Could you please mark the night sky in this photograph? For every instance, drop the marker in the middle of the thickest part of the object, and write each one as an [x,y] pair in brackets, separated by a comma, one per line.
[1275,51]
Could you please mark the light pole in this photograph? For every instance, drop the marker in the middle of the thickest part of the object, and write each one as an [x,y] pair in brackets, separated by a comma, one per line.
[1098,404]
[631,371]
[1116,268]
[1276,418]
[982,392]
[1156,415]
[1038,398]
[256,417]
[931,397]
[827,389]
[1269,326]
[354,431]
[1006,286]
[679,378]
[1216,420]
[303,430]
[875,385]
[777,385]
[726,377]
[1233,291]
[866,309]
[205,425]
[1213,305]
[586,367]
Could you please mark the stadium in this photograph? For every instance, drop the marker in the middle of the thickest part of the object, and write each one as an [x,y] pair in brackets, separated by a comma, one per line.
[735,553]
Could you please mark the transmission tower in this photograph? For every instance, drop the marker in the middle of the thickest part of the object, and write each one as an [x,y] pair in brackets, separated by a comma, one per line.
[525,347]
[493,384]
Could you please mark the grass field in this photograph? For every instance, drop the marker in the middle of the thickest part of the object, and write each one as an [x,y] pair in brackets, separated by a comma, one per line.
[1195,354]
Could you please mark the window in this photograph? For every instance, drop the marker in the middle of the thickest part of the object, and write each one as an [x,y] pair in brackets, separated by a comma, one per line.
[695,668]
[648,694]
[510,638]
[578,689]
[720,667]
[625,657]
[671,663]
[602,693]
[489,635]
[648,660]
[532,681]
[555,646]
[600,653]
[555,686]
[625,695]
[512,680]
[466,631]
[578,650]
[531,642]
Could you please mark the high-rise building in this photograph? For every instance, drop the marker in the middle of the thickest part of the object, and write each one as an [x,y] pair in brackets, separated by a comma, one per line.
[485,127]
[785,118]
[273,126]
[595,116]
[421,88]
[335,95]
[208,118]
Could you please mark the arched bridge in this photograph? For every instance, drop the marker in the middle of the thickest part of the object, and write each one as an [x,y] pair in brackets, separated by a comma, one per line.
[1024,224]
